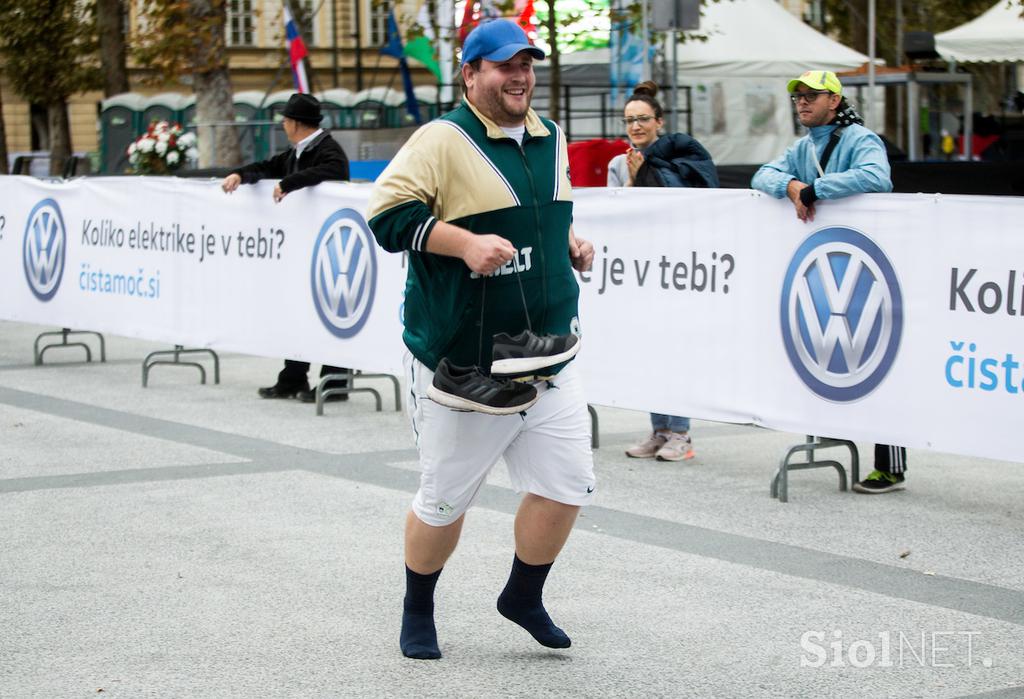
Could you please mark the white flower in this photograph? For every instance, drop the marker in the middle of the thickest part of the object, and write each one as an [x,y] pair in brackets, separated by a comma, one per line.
[172,158]
[161,147]
[146,145]
[162,126]
[163,137]
[187,140]
[131,149]
[192,154]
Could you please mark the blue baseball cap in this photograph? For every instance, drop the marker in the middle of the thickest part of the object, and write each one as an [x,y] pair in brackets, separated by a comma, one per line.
[497,40]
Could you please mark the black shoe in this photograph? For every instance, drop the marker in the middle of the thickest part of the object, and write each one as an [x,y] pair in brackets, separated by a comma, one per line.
[280,390]
[309,396]
[527,353]
[467,388]
[880,482]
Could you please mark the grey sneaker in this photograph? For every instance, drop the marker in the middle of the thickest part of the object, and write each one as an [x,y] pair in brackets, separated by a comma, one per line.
[678,447]
[649,447]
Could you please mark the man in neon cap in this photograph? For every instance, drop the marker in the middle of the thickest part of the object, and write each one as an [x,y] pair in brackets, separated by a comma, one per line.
[481,201]
[837,158]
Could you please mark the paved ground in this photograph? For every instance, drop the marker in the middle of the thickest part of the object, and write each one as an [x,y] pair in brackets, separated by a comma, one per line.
[188,540]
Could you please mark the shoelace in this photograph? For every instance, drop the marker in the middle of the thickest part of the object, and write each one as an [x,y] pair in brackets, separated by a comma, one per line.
[483,304]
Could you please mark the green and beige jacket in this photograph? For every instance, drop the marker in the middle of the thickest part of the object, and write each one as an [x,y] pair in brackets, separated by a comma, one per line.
[463,169]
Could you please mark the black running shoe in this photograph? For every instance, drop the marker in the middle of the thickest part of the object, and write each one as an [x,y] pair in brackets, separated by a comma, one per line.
[468,388]
[526,353]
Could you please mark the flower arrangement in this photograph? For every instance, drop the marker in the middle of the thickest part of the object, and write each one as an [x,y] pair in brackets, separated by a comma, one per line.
[164,148]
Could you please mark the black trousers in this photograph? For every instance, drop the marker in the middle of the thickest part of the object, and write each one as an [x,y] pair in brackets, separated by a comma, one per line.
[890,459]
[297,373]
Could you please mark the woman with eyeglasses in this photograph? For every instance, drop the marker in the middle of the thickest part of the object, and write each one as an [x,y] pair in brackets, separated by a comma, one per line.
[672,160]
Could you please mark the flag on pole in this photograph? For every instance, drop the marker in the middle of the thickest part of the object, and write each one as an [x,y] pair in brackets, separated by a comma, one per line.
[296,51]
[394,48]
[475,13]
[421,47]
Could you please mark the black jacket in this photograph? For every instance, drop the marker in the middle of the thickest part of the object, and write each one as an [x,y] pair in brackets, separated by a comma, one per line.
[323,159]
[677,160]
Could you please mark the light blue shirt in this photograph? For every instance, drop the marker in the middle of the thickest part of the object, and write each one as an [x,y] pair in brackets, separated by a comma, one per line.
[857,165]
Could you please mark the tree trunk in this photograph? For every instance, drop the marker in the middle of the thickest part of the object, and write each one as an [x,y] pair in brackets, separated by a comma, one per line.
[3,140]
[60,135]
[553,61]
[218,146]
[110,25]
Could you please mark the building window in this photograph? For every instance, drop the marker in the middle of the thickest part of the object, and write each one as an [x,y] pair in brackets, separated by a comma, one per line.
[240,23]
[379,10]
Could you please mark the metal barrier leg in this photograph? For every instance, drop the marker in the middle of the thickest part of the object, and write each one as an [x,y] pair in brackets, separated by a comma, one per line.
[350,376]
[64,333]
[780,482]
[595,441]
[154,359]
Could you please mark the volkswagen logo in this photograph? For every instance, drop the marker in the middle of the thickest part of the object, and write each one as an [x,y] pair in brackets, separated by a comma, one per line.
[43,249]
[344,273]
[841,314]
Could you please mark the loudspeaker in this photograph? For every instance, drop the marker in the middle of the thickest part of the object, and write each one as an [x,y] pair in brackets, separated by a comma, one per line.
[919,45]
[675,15]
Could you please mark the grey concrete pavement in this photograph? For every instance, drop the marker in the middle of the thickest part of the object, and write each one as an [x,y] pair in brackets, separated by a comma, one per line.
[188,540]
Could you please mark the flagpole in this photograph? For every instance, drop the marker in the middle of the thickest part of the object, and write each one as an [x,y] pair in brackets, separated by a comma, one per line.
[446,48]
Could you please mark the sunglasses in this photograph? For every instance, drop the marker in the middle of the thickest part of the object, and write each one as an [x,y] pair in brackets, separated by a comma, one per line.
[629,121]
[808,97]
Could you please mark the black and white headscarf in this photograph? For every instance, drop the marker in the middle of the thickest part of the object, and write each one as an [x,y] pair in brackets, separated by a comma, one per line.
[846,114]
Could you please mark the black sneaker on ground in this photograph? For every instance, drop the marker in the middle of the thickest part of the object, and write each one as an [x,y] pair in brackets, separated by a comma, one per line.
[280,390]
[468,388]
[527,353]
[880,482]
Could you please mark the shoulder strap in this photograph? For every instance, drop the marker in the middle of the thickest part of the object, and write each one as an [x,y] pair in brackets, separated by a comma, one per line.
[833,141]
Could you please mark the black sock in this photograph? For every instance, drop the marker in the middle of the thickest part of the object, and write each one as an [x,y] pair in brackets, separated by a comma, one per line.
[419,637]
[521,602]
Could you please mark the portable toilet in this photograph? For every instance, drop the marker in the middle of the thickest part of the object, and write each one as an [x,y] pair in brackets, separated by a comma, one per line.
[337,107]
[166,106]
[374,108]
[120,117]
[252,137]
[426,96]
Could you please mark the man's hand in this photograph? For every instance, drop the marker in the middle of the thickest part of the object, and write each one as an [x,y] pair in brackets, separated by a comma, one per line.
[581,253]
[793,189]
[231,182]
[484,254]
[279,194]
[634,159]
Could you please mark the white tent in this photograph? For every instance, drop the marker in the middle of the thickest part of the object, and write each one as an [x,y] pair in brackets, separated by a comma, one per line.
[997,36]
[737,79]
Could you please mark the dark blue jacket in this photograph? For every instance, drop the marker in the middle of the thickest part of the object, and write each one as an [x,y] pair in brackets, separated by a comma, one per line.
[677,160]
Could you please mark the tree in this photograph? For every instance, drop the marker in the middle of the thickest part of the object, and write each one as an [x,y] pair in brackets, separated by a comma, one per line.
[3,140]
[49,50]
[179,38]
[110,27]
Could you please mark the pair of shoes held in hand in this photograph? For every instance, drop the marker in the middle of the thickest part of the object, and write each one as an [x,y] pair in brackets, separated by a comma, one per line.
[514,357]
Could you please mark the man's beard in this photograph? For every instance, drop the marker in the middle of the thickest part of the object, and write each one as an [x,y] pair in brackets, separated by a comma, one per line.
[498,105]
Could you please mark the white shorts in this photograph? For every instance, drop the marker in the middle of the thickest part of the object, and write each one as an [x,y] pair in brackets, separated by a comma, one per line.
[547,449]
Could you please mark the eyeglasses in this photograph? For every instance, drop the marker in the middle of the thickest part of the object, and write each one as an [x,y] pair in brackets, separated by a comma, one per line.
[629,121]
[808,97]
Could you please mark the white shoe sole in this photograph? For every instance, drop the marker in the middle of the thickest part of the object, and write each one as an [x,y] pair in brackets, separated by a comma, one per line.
[457,403]
[867,491]
[525,365]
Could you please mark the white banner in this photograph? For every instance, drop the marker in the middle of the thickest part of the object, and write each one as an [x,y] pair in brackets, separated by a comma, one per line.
[894,318]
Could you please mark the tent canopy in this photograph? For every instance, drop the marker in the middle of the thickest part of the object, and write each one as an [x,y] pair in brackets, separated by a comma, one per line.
[995,36]
[750,37]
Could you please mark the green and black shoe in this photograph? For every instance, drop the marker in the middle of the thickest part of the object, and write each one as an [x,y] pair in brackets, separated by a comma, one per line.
[880,482]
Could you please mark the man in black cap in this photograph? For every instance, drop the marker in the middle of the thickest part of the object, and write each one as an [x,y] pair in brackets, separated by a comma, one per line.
[313,158]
